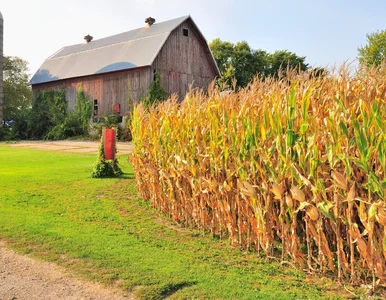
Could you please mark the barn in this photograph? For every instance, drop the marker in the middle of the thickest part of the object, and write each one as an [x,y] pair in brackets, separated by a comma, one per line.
[119,69]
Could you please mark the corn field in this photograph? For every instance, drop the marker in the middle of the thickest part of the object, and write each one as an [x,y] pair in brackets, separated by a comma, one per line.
[291,168]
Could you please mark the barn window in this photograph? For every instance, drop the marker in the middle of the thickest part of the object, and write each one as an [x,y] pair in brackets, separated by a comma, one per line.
[95,111]
[154,74]
[185,32]
[95,107]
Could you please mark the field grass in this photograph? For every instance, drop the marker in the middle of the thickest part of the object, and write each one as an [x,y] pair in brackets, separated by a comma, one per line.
[51,208]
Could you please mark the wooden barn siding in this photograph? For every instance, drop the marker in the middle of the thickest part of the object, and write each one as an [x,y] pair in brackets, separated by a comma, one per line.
[183,61]
[108,89]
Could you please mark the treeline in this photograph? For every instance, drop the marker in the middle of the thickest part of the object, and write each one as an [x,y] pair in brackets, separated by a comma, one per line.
[239,62]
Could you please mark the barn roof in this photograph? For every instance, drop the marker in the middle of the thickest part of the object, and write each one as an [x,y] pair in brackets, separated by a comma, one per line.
[127,50]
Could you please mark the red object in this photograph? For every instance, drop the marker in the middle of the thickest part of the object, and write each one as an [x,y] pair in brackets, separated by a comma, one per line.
[109,144]
[117,108]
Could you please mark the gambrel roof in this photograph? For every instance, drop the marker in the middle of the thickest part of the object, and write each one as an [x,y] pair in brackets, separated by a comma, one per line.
[128,50]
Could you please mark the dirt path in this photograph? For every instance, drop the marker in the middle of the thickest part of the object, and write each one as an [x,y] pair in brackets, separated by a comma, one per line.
[71,146]
[22,277]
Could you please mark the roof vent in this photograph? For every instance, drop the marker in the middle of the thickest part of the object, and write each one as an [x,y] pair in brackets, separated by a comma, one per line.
[88,38]
[150,21]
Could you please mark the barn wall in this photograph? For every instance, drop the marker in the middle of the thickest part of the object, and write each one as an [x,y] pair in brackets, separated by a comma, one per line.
[108,89]
[184,60]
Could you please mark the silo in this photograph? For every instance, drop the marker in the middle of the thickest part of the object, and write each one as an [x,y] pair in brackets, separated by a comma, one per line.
[1,68]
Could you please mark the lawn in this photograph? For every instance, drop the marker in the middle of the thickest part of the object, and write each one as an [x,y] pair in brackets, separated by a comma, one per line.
[51,208]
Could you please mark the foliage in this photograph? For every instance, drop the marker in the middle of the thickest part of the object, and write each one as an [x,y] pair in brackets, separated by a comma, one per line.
[270,163]
[3,132]
[374,53]
[101,230]
[241,63]
[284,60]
[106,168]
[58,107]
[16,91]
[41,118]
[156,93]
[126,135]
[18,130]
[70,127]
[109,121]
[68,124]
[83,109]
[16,97]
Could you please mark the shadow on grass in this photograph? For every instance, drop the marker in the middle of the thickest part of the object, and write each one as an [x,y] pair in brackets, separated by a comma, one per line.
[155,292]
[126,176]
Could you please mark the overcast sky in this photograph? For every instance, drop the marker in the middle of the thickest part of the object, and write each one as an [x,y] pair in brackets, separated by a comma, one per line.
[327,32]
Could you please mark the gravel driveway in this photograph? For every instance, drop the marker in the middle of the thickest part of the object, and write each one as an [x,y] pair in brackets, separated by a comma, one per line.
[22,277]
[71,146]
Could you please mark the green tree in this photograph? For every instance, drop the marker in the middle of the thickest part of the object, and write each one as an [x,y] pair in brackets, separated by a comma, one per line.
[223,53]
[374,53]
[282,60]
[238,62]
[17,93]
[241,63]
[244,63]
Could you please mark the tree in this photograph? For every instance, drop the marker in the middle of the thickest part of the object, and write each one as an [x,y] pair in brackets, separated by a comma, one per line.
[222,52]
[238,62]
[245,63]
[282,60]
[17,92]
[241,63]
[374,53]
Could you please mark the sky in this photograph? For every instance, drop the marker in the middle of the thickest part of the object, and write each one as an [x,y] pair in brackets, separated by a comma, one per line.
[326,32]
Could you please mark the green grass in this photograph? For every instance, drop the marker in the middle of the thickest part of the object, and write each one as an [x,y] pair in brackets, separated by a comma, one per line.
[51,208]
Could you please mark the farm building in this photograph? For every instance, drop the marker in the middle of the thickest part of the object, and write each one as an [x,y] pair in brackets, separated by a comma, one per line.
[122,67]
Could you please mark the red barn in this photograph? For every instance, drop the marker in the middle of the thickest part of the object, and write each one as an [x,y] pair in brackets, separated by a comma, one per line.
[121,67]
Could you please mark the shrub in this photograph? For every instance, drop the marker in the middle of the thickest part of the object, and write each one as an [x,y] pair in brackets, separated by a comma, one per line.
[49,117]
[156,93]
[41,119]
[71,126]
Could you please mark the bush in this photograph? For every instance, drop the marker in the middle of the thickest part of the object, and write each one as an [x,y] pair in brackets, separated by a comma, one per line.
[42,118]
[18,130]
[49,117]
[71,127]
[156,93]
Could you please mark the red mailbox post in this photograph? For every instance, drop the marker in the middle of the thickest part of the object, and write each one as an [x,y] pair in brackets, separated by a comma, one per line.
[109,144]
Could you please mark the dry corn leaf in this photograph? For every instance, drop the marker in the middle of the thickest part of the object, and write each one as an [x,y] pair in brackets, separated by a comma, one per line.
[277,191]
[289,201]
[298,194]
[250,188]
[340,180]
[312,213]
